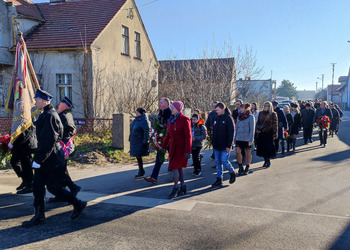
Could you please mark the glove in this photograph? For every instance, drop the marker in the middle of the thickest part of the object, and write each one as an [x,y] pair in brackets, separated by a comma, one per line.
[10,145]
[187,155]
[35,165]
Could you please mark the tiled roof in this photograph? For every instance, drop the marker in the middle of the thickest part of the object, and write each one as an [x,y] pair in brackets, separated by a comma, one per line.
[72,24]
[26,8]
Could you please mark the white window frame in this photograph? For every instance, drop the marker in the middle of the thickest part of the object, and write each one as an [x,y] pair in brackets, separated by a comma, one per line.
[64,81]
[125,41]
[137,45]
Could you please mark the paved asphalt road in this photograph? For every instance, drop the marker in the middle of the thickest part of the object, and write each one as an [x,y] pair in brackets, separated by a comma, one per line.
[301,202]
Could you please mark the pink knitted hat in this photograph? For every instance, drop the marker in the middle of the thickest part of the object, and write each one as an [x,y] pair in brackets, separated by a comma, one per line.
[178,105]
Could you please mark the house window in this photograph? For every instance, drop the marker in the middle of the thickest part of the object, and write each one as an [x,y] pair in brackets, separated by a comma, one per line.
[2,98]
[137,45]
[64,86]
[125,36]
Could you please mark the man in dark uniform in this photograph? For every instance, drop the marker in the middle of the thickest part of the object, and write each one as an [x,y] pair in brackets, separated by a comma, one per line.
[282,124]
[21,159]
[48,161]
[67,143]
[323,111]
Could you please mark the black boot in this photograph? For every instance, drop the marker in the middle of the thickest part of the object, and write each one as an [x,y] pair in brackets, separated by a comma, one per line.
[174,193]
[183,190]
[217,183]
[27,190]
[232,177]
[294,142]
[246,170]
[141,174]
[38,219]
[23,184]
[78,208]
[268,163]
[240,169]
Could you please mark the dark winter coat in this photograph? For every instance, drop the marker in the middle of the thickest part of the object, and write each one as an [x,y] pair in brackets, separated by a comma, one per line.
[340,112]
[290,120]
[282,122]
[199,133]
[266,131]
[223,132]
[49,132]
[294,128]
[139,136]
[69,128]
[335,119]
[163,116]
[210,121]
[179,139]
[235,114]
[307,118]
[267,123]
[319,114]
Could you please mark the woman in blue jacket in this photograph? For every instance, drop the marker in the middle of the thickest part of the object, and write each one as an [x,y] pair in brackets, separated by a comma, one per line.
[139,136]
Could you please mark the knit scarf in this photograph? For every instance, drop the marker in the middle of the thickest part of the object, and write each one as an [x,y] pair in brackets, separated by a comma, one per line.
[243,116]
[173,118]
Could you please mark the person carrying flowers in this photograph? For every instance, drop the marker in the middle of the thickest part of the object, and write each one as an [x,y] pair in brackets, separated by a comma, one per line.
[320,120]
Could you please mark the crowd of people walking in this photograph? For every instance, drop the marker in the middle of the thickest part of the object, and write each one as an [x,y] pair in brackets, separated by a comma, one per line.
[245,129]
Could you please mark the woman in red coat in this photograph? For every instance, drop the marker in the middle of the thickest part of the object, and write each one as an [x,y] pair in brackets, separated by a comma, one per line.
[179,139]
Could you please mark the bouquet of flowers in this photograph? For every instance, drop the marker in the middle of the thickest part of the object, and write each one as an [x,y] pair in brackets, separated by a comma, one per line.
[209,140]
[323,123]
[157,135]
[286,135]
[4,149]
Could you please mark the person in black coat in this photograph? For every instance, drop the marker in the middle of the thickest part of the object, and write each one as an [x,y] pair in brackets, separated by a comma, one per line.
[67,142]
[340,115]
[307,120]
[199,133]
[290,121]
[335,120]
[294,128]
[320,112]
[21,159]
[282,124]
[163,117]
[210,123]
[223,133]
[139,136]
[48,161]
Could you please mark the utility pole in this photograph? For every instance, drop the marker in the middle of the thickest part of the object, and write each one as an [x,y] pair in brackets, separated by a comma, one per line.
[316,87]
[332,80]
[322,80]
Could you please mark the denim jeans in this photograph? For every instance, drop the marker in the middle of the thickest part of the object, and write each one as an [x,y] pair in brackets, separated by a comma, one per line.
[221,159]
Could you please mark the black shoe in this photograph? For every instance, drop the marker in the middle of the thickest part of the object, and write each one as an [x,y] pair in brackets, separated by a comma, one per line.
[214,166]
[25,190]
[246,170]
[268,164]
[174,193]
[38,219]
[75,189]
[183,190]
[78,209]
[240,169]
[23,185]
[198,173]
[54,200]
[217,183]
[195,172]
[311,141]
[141,174]
[232,177]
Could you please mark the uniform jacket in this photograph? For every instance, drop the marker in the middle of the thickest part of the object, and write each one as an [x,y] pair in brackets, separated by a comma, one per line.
[27,140]
[139,134]
[282,122]
[223,132]
[199,133]
[49,132]
[210,121]
[268,123]
[245,129]
[307,118]
[179,139]
[69,128]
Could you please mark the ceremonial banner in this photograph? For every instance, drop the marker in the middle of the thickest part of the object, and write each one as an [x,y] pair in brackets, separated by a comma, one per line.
[20,99]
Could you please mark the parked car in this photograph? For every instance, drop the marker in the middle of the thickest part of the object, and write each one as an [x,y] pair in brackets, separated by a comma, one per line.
[281,105]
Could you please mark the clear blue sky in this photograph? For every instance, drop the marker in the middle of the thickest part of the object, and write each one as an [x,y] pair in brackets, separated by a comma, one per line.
[296,39]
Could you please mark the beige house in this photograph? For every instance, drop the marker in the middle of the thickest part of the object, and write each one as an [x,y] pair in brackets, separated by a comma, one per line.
[97,53]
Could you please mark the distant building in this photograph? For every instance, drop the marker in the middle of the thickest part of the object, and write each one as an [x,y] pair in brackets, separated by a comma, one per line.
[255,90]
[344,91]
[333,94]
[94,52]
[305,95]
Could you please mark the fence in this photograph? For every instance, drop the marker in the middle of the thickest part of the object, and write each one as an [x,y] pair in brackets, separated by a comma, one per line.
[85,125]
